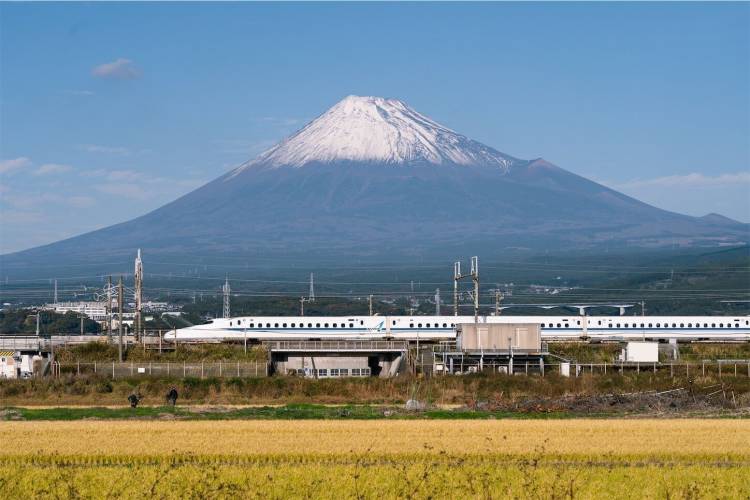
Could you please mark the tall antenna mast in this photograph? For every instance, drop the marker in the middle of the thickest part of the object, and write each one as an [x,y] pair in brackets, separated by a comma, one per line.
[311,297]
[138,276]
[226,291]
[109,309]
[119,319]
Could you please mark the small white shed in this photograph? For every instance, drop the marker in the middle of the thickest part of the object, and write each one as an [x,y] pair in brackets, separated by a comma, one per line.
[641,352]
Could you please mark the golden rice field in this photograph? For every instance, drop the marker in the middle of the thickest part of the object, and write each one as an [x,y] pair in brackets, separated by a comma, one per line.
[377,459]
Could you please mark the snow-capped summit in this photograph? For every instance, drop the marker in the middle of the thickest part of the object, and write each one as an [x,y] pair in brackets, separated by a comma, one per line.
[374,129]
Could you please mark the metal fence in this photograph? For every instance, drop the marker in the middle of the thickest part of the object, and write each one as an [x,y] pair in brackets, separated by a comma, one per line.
[166,369]
[720,368]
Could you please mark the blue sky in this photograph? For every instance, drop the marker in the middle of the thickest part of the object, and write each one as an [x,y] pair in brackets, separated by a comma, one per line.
[111,110]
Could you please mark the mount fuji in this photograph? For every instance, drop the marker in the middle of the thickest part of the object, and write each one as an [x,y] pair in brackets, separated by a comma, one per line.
[371,178]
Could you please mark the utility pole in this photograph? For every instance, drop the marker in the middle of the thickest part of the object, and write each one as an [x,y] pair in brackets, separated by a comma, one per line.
[301,306]
[38,313]
[109,309]
[82,316]
[119,311]
[370,301]
[55,290]
[475,279]
[138,277]
[643,308]
[311,295]
[437,302]
[456,277]
[226,290]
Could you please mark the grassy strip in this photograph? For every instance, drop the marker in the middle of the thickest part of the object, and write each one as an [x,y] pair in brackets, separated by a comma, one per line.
[287,412]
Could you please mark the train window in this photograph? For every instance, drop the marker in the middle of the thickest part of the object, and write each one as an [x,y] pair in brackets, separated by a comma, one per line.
[326,325]
[736,325]
[361,322]
[294,325]
[658,325]
[317,325]
[351,325]
[567,325]
[252,325]
[284,325]
[393,322]
[643,325]
[650,325]
[335,325]
[674,325]
[275,325]
[721,325]
[542,325]
[705,325]
[578,322]
[453,325]
[419,325]
[411,325]
[610,325]
[309,325]
[559,325]
[600,322]
[690,325]
[268,325]
[682,325]
[230,323]
[445,325]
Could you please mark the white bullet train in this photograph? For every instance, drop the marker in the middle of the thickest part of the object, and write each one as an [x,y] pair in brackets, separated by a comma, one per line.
[436,328]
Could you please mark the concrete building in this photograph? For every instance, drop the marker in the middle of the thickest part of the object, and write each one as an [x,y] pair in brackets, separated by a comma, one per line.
[330,359]
[8,365]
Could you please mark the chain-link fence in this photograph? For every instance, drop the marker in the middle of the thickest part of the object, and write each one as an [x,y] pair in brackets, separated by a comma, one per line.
[167,369]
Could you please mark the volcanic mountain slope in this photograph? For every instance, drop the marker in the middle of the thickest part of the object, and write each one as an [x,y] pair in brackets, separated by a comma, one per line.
[372,177]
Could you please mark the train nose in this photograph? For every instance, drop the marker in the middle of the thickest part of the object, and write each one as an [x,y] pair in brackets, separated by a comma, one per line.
[170,335]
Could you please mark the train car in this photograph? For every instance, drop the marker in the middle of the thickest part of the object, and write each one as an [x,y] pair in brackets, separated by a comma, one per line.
[436,328]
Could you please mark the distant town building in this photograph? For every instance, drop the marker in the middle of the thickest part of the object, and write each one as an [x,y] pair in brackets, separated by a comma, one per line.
[94,310]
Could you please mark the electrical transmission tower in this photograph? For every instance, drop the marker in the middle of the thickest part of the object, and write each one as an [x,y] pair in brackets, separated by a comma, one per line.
[311,296]
[138,295]
[226,290]
[474,274]
[475,279]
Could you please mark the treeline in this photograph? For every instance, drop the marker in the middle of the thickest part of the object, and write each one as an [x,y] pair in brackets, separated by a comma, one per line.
[23,322]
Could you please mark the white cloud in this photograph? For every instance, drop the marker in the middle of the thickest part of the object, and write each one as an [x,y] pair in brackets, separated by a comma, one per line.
[693,179]
[36,201]
[13,164]
[52,168]
[694,194]
[95,148]
[119,69]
